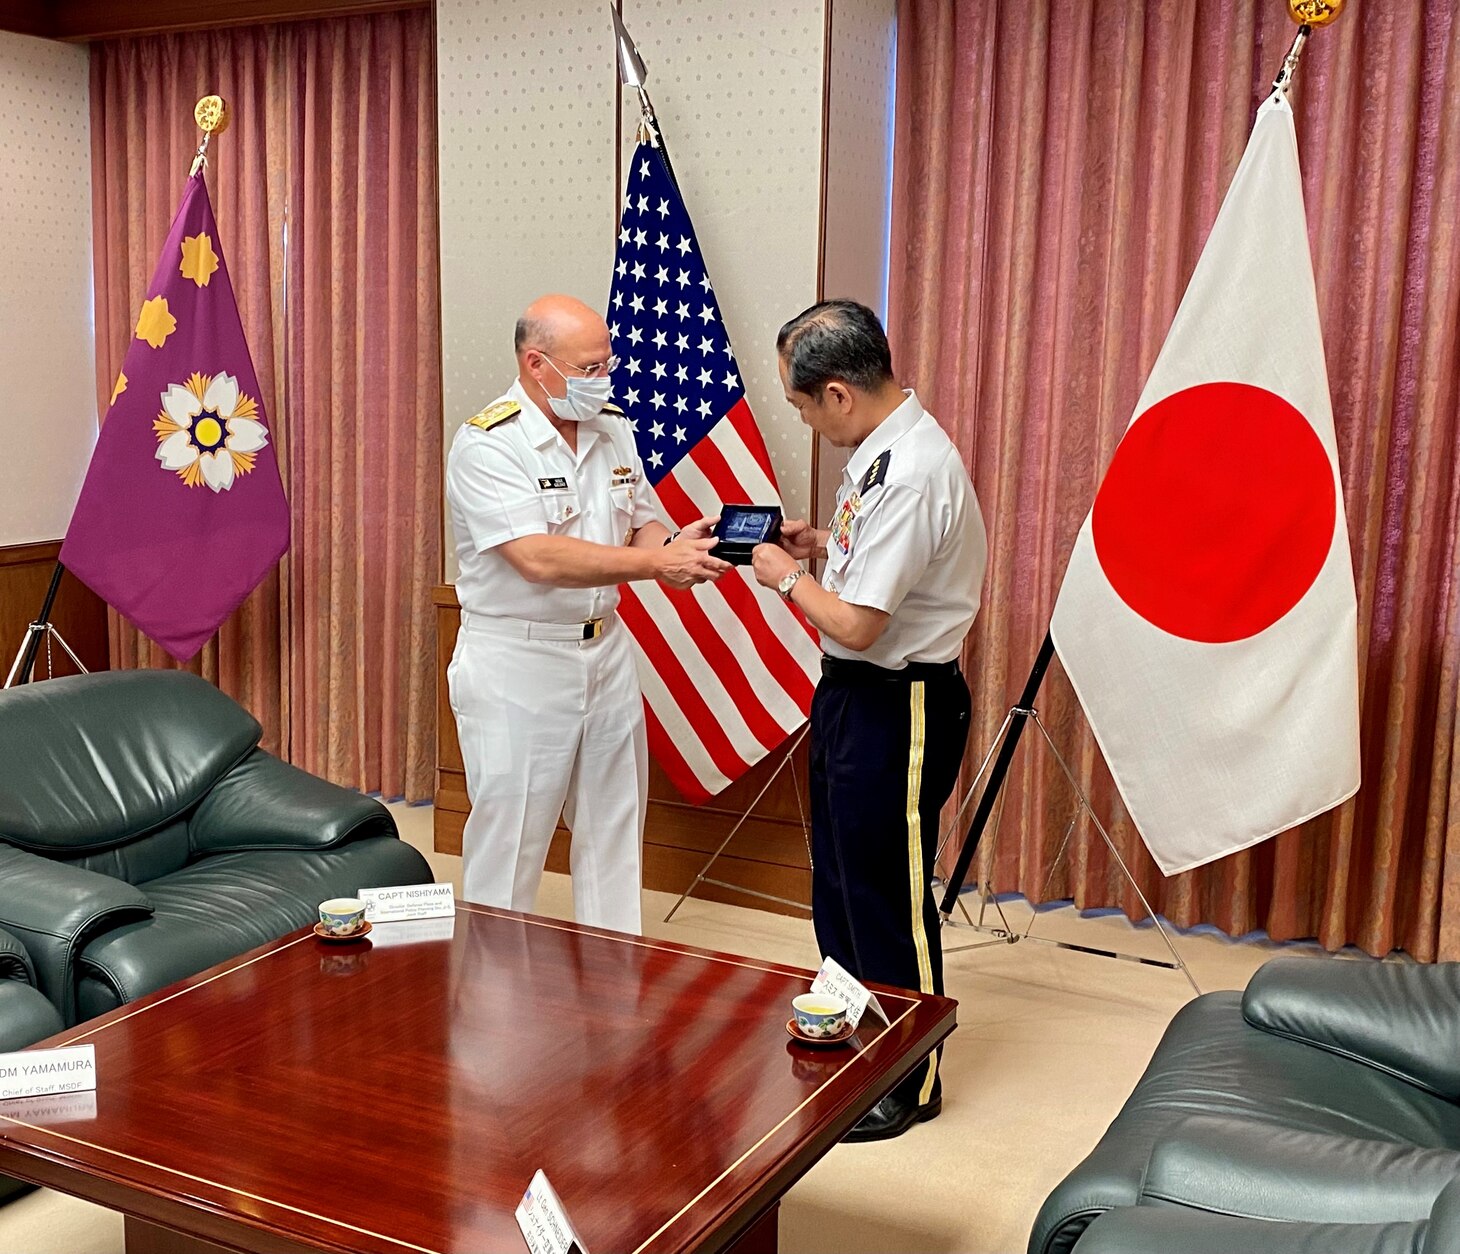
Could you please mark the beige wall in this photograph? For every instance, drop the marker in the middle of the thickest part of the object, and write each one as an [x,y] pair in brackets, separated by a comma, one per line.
[529,107]
[858,176]
[526,176]
[738,91]
[47,366]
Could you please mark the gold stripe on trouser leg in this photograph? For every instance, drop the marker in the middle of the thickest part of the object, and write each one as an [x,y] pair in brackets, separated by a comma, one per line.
[916,741]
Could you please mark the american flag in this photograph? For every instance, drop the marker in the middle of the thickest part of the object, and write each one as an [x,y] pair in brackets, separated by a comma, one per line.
[728,668]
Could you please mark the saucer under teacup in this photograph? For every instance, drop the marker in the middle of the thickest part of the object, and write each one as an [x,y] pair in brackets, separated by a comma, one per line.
[846,1034]
[353,936]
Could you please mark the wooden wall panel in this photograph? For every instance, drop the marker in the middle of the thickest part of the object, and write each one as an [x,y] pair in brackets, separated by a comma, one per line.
[27,17]
[767,855]
[79,614]
[80,20]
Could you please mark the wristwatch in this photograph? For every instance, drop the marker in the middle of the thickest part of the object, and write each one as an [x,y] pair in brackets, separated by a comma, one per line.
[789,582]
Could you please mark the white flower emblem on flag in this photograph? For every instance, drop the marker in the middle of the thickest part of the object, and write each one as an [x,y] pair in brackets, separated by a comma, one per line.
[207,431]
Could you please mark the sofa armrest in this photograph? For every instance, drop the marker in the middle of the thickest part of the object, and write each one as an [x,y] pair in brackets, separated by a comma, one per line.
[55,910]
[15,963]
[1153,1230]
[264,803]
[1401,1018]
[1243,1168]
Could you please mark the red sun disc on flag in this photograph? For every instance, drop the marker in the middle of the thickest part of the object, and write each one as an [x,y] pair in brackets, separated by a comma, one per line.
[1217,512]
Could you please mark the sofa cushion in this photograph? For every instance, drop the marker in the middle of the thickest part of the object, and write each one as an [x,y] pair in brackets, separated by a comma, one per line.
[148,857]
[25,1016]
[1211,1061]
[93,761]
[224,905]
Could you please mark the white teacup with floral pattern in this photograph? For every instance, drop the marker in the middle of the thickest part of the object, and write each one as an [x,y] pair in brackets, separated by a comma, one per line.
[819,1014]
[342,916]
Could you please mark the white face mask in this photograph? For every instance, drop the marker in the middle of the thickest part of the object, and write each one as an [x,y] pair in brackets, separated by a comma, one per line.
[585,398]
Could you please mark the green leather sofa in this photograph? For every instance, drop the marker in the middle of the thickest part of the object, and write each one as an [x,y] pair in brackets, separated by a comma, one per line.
[145,836]
[1326,1094]
[1158,1230]
[25,1016]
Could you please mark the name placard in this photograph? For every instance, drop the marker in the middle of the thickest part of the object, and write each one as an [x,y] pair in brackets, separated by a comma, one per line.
[544,1222]
[409,901]
[835,979]
[41,1072]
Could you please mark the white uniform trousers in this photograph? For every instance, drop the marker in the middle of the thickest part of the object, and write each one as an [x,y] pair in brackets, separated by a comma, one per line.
[551,727]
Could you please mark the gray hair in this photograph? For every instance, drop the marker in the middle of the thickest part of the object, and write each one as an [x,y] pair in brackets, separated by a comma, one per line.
[531,331]
[836,339]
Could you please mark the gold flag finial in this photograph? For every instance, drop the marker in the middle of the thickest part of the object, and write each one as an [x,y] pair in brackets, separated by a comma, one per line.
[1315,12]
[211,114]
[1307,14]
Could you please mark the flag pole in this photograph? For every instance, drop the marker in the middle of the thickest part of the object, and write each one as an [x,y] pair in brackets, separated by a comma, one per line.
[1308,14]
[633,73]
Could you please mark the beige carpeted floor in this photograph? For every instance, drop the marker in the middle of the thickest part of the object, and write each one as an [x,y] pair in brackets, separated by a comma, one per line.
[1049,1043]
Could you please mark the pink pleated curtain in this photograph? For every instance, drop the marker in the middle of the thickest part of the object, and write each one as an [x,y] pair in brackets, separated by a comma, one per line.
[325,191]
[1058,166]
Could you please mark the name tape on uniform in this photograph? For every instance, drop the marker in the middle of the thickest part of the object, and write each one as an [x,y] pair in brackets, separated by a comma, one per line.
[544,1222]
[410,901]
[835,979]
[41,1072]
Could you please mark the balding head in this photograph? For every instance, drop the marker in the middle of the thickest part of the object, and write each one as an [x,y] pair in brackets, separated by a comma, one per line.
[558,337]
[551,321]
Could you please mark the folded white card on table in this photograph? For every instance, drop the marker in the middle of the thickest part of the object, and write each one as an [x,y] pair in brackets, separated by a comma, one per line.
[408,901]
[544,1223]
[38,1072]
[835,979]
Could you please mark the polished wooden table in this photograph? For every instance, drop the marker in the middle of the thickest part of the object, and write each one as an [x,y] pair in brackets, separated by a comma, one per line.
[394,1095]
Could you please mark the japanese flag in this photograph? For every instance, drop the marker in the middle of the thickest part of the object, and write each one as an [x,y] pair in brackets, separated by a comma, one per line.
[1207,618]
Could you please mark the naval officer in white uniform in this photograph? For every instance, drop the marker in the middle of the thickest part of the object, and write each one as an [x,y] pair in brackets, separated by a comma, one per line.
[551,511]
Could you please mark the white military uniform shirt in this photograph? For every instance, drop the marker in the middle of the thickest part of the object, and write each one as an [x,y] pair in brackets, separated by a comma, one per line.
[520,478]
[908,538]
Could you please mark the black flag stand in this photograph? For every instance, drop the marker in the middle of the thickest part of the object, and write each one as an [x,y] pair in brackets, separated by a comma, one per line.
[1007,742]
[42,629]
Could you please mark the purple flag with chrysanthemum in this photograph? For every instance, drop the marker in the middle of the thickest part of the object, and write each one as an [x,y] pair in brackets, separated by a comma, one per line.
[182,512]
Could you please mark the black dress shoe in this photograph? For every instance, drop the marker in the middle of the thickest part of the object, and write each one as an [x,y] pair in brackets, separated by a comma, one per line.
[893,1116]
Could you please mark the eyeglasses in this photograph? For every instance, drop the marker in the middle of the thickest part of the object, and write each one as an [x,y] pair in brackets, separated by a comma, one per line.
[594,370]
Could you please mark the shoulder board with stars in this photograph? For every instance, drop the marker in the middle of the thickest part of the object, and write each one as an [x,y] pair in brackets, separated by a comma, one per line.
[876,472]
[610,408]
[492,415]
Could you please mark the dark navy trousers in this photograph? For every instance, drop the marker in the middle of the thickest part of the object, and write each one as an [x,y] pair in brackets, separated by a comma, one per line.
[885,751]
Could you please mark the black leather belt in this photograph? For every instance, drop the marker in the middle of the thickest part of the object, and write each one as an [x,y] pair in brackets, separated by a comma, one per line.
[868,672]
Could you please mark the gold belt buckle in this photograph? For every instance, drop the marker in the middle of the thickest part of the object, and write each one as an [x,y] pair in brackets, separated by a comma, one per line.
[592,628]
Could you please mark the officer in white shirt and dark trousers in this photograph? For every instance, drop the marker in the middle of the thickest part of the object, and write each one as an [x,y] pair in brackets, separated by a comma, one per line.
[905,557]
[551,511]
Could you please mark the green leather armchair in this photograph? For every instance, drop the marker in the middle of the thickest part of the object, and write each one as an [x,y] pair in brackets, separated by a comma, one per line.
[144,835]
[1327,1094]
[25,1017]
[1156,1230]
